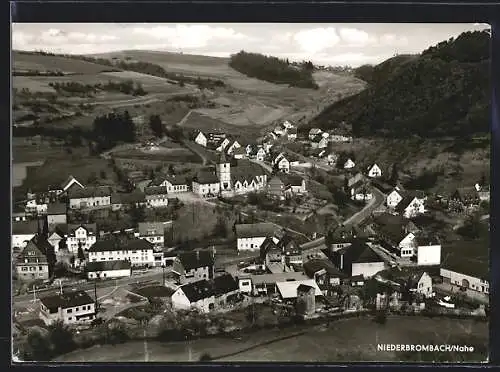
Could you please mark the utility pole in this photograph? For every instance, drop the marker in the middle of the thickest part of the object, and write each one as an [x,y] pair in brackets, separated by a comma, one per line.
[95,296]
[34,293]
[60,287]
[163,269]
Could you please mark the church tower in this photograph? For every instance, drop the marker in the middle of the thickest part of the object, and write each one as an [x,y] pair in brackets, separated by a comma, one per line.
[224,173]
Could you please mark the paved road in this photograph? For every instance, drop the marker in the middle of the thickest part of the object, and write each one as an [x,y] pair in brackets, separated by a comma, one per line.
[191,146]
[372,205]
[264,165]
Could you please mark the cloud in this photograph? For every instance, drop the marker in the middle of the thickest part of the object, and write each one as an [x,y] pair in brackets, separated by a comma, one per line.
[356,38]
[316,39]
[393,40]
[189,36]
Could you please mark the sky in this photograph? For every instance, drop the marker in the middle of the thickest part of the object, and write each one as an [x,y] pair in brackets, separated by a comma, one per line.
[351,44]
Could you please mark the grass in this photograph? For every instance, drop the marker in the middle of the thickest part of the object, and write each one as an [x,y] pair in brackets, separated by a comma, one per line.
[154,291]
[347,340]
[176,155]
[208,124]
[56,171]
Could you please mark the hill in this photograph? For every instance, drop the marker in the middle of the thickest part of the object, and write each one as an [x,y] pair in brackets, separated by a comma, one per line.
[444,91]
[273,69]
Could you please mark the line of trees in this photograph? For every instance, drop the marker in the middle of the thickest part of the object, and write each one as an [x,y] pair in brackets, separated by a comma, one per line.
[110,129]
[273,69]
[126,87]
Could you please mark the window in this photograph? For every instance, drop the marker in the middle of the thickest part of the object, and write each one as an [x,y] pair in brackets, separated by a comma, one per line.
[40,268]
[24,268]
[70,318]
[69,311]
[77,308]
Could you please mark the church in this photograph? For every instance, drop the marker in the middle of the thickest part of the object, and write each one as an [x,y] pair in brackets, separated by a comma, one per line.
[231,177]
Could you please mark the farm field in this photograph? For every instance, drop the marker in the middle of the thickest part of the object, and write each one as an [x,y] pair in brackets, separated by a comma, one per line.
[343,340]
[177,154]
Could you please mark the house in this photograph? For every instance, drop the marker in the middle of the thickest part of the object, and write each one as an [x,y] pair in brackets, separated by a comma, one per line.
[349,164]
[84,236]
[360,191]
[421,283]
[319,142]
[23,232]
[156,196]
[56,214]
[464,198]
[193,266]
[354,179]
[471,275]
[239,153]
[291,250]
[244,177]
[314,132]
[374,171]
[272,255]
[206,184]
[261,154]
[206,295]
[57,236]
[394,198]
[288,289]
[31,264]
[174,184]
[108,269]
[129,200]
[292,134]
[232,147]
[306,300]
[428,251]
[324,273]
[137,251]
[19,214]
[276,187]
[37,204]
[288,125]
[201,139]
[358,259]
[331,159]
[153,232]
[222,145]
[90,197]
[397,234]
[411,206]
[265,284]
[294,184]
[71,184]
[70,308]
[251,236]
[283,165]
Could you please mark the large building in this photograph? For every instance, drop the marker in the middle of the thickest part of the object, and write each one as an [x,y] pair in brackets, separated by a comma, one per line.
[153,232]
[90,197]
[358,259]
[23,232]
[70,308]
[251,236]
[137,251]
[174,184]
[108,269]
[32,264]
[84,236]
[156,196]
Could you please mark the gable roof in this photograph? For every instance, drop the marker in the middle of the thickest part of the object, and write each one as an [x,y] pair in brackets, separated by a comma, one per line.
[288,289]
[107,265]
[33,253]
[291,179]
[267,246]
[253,230]
[289,245]
[196,259]
[155,190]
[114,244]
[69,181]
[405,202]
[136,196]
[205,178]
[67,300]
[359,252]
[317,264]
[224,284]
[89,192]
[198,290]
[156,228]
[89,227]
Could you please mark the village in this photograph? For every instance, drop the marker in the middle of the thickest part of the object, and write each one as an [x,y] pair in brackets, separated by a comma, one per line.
[387,256]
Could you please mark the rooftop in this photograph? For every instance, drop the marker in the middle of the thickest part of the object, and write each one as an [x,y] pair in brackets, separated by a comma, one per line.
[67,300]
[107,265]
[114,244]
[313,266]
[89,192]
[206,178]
[24,227]
[278,277]
[196,259]
[56,208]
[152,228]
[288,289]
[156,190]
[252,230]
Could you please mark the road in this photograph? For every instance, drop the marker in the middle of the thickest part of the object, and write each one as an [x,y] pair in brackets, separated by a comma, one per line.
[372,205]
[264,165]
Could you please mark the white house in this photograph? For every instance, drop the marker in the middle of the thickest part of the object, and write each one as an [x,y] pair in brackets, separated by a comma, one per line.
[283,165]
[153,232]
[422,284]
[374,171]
[428,252]
[287,125]
[80,235]
[206,184]
[108,269]
[23,232]
[470,277]
[314,132]
[137,251]
[235,145]
[239,153]
[319,142]
[411,206]
[358,259]
[406,246]
[394,197]
[156,196]
[223,145]
[174,184]
[90,197]
[195,295]
[70,308]
[349,164]
[251,236]
[201,139]
[292,134]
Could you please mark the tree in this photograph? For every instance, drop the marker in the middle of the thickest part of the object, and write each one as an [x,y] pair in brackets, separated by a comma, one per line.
[393,180]
[61,338]
[171,169]
[92,179]
[205,357]
[220,229]
[137,214]
[156,125]
[37,347]
[102,174]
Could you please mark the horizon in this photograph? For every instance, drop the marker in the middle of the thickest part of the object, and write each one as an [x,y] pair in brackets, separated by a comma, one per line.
[339,44]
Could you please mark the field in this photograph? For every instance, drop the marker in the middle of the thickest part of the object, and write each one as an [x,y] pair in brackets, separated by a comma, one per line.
[347,340]
[175,155]
[207,124]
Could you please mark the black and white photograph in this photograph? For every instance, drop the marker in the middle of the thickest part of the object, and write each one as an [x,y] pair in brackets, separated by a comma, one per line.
[245,192]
